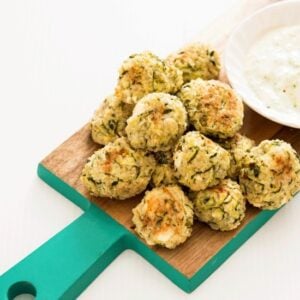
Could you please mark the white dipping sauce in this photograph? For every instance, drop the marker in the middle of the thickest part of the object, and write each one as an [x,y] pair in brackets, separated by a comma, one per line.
[273,69]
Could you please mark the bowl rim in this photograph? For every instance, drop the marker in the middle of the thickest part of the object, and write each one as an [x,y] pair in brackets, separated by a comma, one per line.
[263,111]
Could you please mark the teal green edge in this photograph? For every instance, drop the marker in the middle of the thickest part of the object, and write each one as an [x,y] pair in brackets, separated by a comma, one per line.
[90,261]
[185,283]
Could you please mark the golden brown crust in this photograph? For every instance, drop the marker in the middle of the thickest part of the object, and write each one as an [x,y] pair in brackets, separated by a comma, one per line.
[199,162]
[222,207]
[118,171]
[109,120]
[213,107]
[197,61]
[238,146]
[157,122]
[146,73]
[271,174]
[164,217]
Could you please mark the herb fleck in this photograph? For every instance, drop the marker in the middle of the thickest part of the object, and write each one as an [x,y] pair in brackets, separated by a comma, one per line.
[168,110]
[255,169]
[194,155]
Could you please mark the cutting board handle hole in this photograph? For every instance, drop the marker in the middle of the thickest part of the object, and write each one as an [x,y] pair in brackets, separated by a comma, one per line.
[21,290]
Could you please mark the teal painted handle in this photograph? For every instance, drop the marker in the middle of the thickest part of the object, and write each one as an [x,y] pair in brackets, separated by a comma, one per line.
[65,265]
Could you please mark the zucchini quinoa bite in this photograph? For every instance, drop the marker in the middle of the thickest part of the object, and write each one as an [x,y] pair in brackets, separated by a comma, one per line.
[146,73]
[118,171]
[197,61]
[199,162]
[157,122]
[164,217]
[164,173]
[238,146]
[109,121]
[222,206]
[213,107]
[271,174]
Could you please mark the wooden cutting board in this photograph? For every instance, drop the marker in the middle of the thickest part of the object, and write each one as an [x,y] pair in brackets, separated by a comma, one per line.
[75,256]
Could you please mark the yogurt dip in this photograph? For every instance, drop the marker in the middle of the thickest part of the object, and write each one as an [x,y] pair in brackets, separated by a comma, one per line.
[272,68]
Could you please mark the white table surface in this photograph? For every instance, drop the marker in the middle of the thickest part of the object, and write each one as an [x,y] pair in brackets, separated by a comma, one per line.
[58,60]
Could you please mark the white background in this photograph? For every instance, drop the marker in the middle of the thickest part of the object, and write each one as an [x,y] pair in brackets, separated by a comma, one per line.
[58,60]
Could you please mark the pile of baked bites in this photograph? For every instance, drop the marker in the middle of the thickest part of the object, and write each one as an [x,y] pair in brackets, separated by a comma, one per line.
[172,128]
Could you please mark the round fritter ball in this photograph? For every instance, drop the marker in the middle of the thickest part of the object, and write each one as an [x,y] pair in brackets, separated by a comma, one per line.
[157,122]
[213,107]
[271,174]
[146,73]
[118,171]
[238,146]
[222,207]
[109,121]
[164,173]
[199,162]
[164,217]
[197,61]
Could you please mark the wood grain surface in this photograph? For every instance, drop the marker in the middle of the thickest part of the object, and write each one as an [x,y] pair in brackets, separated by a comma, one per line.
[68,159]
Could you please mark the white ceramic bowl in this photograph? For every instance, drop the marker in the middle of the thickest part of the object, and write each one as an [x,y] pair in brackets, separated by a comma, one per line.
[285,13]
